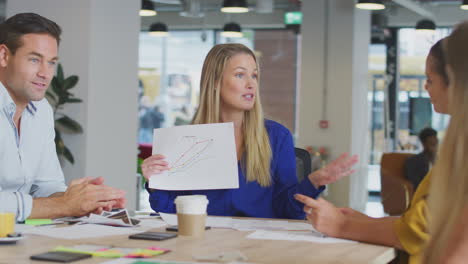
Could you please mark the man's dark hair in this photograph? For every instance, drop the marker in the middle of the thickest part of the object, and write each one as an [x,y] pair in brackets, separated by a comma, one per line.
[18,25]
[425,133]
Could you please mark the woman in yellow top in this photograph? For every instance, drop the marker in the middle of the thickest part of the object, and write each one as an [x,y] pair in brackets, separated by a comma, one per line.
[448,202]
[407,232]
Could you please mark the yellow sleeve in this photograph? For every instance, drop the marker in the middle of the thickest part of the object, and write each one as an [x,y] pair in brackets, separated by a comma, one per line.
[411,227]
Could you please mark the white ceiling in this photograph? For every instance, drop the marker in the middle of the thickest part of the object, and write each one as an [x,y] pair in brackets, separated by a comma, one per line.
[445,13]
[401,13]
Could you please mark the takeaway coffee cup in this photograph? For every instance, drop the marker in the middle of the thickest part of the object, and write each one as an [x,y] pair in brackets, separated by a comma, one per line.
[191,214]
[7,223]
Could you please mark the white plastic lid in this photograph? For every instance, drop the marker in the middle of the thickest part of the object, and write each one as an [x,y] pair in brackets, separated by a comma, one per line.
[191,204]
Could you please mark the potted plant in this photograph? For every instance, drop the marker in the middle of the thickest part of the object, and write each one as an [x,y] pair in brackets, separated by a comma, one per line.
[58,95]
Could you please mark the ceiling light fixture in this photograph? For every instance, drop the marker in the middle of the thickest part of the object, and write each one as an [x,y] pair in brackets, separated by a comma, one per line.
[147,8]
[159,29]
[235,6]
[232,30]
[464,5]
[370,4]
[426,25]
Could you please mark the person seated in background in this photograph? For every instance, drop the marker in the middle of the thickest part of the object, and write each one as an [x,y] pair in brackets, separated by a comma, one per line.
[408,231]
[417,166]
[31,179]
[265,152]
[448,200]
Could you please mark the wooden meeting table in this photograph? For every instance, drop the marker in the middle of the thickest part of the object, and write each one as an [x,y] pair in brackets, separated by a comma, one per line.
[214,241]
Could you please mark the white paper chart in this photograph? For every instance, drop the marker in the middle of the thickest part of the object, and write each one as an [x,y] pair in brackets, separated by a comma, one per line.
[200,157]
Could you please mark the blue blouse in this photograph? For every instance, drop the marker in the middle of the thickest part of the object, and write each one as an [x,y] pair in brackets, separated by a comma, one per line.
[251,199]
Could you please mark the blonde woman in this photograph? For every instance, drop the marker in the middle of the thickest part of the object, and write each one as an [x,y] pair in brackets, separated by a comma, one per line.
[407,232]
[448,202]
[265,150]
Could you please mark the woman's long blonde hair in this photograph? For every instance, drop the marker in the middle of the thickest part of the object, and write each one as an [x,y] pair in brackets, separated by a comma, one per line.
[256,148]
[449,188]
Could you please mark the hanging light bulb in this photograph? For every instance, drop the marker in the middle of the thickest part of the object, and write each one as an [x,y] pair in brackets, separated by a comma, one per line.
[370,4]
[235,6]
[159,29]
[426,25]
[147,8]
[232,30]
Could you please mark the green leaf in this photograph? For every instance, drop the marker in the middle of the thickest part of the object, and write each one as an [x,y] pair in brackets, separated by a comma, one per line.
[68,156]
[59,145]
[58,135]
[74,100]
[55,86]
[59,93]
[60,73]
[50,95]
[68,125]
[70,82]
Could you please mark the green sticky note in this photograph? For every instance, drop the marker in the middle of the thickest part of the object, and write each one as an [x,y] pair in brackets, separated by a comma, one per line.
[38,221]
[145,262]
[104,254]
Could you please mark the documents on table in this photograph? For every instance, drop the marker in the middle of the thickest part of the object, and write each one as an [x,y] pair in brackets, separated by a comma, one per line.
[87,230]
[104,220]
[266,229]
[200,157]
[296,236]
[79,231]
[111,218]
[245,224]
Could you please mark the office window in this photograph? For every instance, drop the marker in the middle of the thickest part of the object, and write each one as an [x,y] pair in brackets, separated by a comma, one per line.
[376,98]
[414,48]
[170,70]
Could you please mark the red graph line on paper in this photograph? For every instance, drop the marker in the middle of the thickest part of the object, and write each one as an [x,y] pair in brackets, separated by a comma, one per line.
[191,159]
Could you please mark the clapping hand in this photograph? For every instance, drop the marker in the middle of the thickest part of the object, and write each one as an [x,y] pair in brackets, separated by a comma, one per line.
[87,195]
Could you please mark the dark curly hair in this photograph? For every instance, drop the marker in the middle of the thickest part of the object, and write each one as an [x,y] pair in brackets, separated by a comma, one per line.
[425,133]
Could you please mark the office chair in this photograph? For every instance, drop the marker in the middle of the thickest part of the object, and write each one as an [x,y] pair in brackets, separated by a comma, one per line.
[396,190]
[303,163]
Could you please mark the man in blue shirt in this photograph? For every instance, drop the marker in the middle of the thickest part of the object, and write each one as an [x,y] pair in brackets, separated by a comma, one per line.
[31,180]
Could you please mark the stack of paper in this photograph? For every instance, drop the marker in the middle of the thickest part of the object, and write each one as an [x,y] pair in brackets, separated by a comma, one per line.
[245,224]
[296,236]
[78,231]
[113,218]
